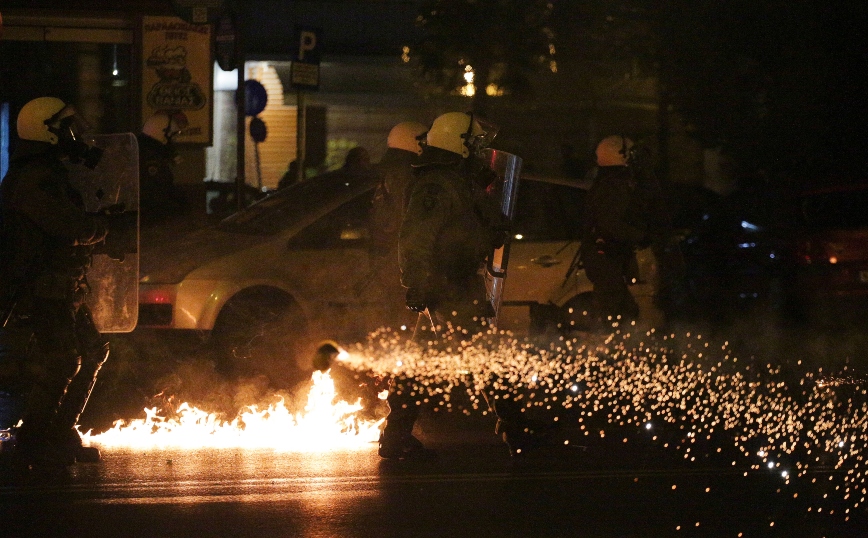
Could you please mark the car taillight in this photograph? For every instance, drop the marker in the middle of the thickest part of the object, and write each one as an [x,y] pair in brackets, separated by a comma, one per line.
[815,252]
[157,296]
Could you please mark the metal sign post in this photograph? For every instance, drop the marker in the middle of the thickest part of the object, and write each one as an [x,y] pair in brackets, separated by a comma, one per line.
[304,76]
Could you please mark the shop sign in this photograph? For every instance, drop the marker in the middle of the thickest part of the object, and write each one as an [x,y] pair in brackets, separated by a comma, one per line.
[177,70]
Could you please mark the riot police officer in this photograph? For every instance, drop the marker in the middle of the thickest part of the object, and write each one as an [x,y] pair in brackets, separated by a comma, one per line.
[395,170]
[614,228]
[387,213]
[449,228]
[47,241]
[159,196]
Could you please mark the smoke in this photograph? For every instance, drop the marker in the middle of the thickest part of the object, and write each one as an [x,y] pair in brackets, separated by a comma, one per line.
[155,369]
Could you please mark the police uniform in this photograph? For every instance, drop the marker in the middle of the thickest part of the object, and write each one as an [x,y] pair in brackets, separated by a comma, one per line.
[159,197]
[449,228]
[47,241]
[387,213]
[445,239]
[611,235]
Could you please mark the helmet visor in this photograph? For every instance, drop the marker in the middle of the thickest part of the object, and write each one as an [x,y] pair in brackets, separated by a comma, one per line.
[480,133]
[490,131]
[67,120]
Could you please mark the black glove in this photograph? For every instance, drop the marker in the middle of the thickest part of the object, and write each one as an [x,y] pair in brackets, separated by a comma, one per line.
[416,299]
[500,235]
[123,236]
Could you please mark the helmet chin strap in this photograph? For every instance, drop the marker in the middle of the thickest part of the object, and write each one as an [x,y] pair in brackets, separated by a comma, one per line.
[468,136]
[625,151]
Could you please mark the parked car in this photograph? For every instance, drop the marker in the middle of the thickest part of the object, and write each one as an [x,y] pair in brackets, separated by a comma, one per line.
[739,255]
[830,277]
[799,254]
[294,269]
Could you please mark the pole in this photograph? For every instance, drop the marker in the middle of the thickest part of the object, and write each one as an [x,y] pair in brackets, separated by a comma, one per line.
[258,165]
[300,134]
[241,124]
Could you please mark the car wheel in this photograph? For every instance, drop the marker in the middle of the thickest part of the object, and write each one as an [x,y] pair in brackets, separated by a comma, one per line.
[261,332]
[578,314]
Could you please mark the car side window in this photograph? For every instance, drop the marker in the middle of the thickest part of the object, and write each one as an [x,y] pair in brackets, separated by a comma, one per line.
[831,210]
[549,211]
[346,226]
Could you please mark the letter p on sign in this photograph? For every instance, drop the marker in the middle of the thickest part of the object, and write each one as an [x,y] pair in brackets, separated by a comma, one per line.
[304,73]
[307,42]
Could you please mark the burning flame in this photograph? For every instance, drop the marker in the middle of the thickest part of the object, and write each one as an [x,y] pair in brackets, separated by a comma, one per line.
[324,425]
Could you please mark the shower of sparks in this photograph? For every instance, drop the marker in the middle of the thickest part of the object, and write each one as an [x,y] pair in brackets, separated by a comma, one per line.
[325,424]
[705,399]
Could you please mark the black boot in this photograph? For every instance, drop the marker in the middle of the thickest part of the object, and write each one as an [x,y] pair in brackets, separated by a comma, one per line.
[397,440]
[70,442]
[36,445]
[402,447]
[38,452]
[73,404]
[521,435]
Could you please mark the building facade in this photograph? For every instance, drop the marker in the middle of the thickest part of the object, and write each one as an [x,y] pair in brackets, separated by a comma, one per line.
[93,54]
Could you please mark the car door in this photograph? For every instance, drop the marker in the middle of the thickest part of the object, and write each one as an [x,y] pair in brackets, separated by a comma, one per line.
[330,264]
[546,234]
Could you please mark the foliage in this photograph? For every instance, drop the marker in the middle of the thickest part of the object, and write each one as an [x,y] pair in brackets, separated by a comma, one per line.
[777,85]
[505,42]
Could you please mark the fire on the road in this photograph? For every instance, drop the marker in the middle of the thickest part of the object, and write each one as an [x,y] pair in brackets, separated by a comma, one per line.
[325,424]
[681,391]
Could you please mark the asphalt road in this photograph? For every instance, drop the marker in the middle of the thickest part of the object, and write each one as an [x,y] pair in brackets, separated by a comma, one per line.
[473,488]
[631,482]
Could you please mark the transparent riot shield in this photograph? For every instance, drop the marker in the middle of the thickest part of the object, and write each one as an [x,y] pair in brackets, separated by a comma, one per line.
[508,169]
[114,295]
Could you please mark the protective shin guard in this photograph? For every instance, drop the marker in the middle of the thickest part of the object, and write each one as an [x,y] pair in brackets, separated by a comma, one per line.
[403,413]
[40,412]
[78,393]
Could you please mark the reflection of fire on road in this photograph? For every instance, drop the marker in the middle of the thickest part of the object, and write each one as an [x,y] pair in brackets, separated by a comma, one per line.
[682,393]
[325,424]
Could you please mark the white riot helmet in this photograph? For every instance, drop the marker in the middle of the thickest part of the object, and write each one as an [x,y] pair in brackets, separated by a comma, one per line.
[614,150]
[39,119]
[406,135]
[162,126]
[456,132]
[49,119]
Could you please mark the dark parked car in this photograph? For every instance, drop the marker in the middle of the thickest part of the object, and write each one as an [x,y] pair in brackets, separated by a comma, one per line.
[739,253]
[800,254]
[830,280]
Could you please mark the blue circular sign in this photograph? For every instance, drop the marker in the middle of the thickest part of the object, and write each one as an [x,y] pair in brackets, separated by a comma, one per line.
[258,132]
[255,97]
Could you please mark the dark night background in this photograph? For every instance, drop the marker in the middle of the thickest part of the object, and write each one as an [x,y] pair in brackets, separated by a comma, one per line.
[778,86]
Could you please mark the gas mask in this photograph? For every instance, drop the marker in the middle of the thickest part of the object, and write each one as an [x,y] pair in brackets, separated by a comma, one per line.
[67,125]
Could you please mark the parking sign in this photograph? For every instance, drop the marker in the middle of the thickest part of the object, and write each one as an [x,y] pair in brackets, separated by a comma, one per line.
[304,73]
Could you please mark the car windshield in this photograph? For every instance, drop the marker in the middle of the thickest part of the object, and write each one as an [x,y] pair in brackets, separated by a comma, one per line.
[836,210]
[288,206]
[549,211]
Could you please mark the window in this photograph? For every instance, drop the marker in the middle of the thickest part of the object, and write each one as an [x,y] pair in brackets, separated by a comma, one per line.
[346,226]
[841,210]
[291,205]
[549,211]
